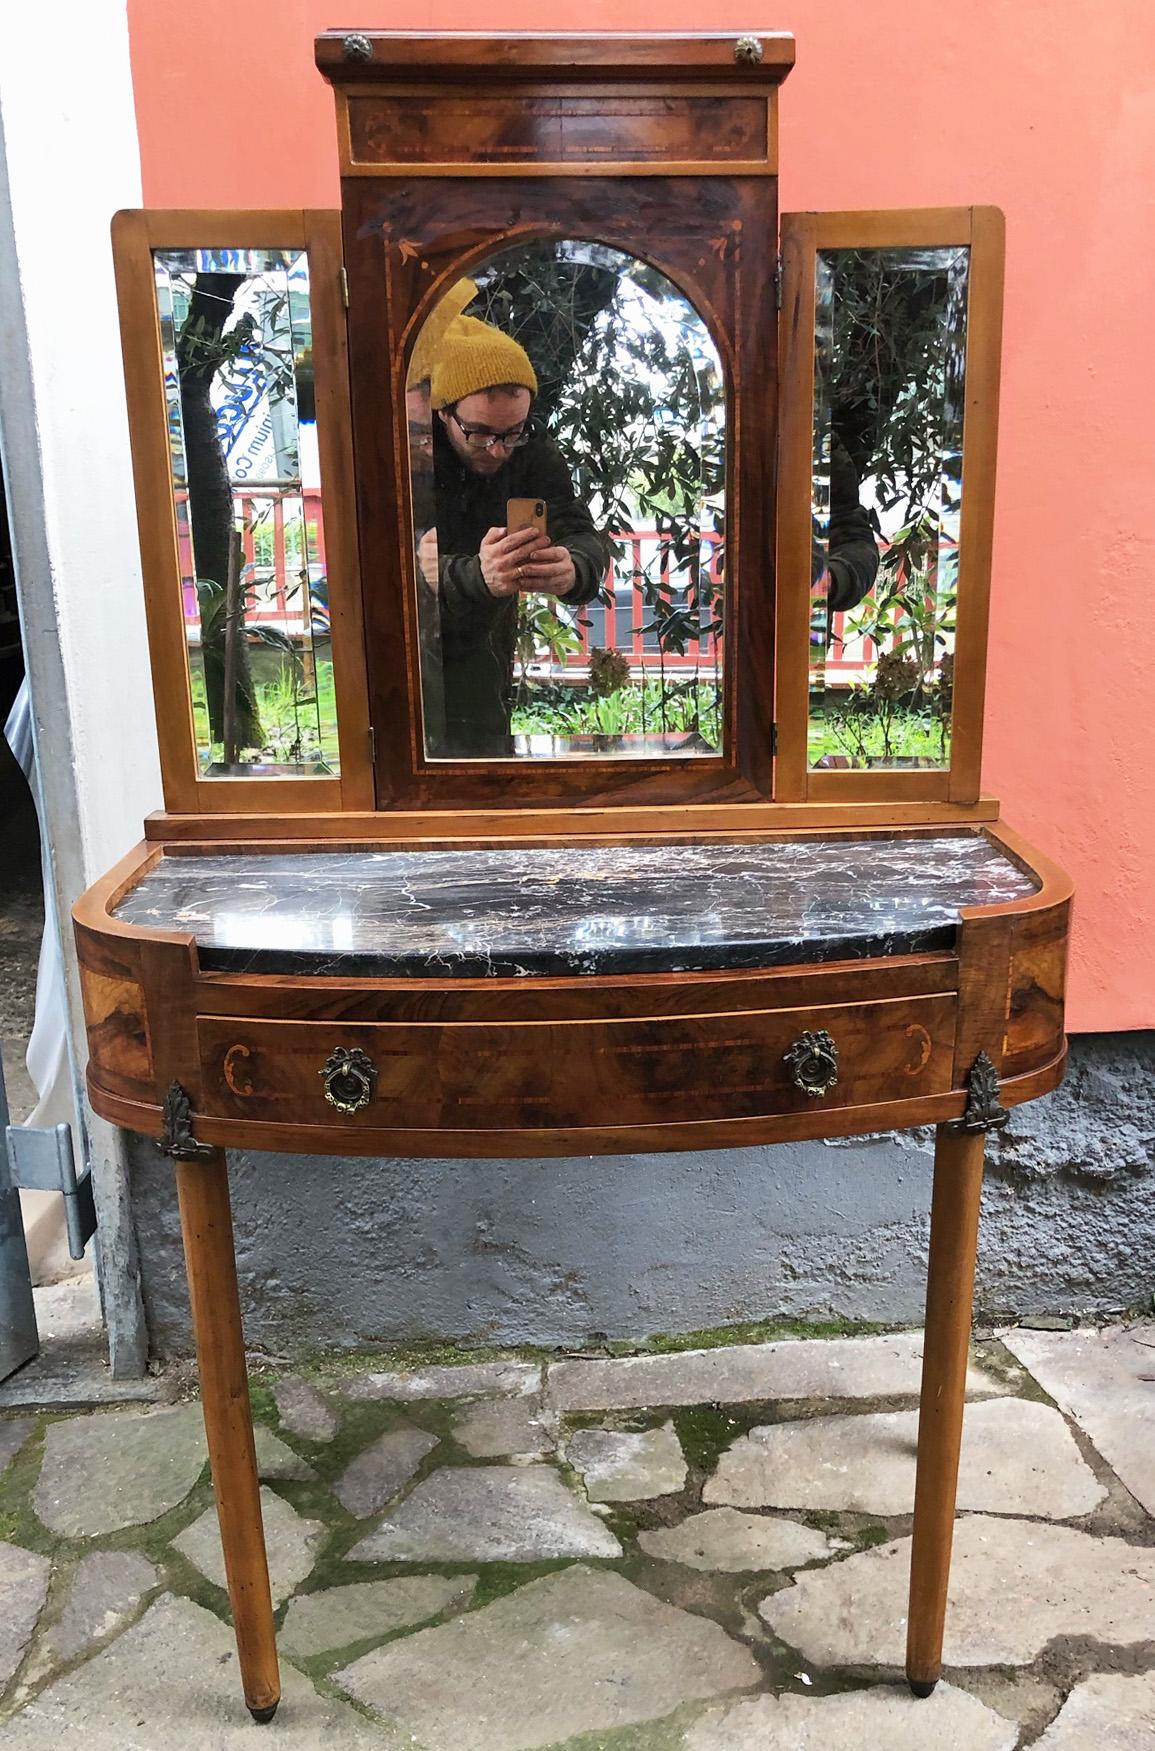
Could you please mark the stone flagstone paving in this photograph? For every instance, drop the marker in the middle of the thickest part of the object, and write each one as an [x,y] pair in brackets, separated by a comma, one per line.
[1017,1458]
[699,1550]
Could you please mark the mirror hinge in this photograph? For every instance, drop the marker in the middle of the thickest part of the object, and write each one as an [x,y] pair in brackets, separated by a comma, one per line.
[773,738]
[343,280]
[777,285]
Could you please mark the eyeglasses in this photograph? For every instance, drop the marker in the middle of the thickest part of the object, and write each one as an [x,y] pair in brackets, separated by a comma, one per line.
[481,438]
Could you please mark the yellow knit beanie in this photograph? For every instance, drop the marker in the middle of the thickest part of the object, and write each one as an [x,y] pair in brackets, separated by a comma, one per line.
[475,356]
[433,331]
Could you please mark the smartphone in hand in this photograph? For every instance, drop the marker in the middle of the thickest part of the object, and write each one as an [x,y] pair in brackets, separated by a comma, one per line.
[526,514]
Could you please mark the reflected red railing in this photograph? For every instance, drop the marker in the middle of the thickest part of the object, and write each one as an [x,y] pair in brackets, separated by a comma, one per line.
[618,624]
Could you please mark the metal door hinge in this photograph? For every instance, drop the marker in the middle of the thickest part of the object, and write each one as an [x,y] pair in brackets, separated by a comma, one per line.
[41,1160]
[778,285]
[773,738]
[343,281]
[372,746]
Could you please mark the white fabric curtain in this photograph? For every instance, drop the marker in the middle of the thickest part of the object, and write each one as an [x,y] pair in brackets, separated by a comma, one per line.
[47,1056]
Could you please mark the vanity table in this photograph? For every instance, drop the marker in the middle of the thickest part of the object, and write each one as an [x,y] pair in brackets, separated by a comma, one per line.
[687,852]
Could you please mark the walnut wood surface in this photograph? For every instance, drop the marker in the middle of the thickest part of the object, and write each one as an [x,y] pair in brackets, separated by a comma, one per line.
[607,998]
[597,1138]
[629,127]
[552,824]
[445,1076]
[473,57]
[207,1230]
[954,1228]
[116,1013]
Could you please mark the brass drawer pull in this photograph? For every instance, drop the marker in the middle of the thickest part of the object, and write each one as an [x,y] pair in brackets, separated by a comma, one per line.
[813,1062]
[349,1075]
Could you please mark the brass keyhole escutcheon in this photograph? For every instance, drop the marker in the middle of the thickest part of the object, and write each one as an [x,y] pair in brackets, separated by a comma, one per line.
[348,1074]
[813,1062]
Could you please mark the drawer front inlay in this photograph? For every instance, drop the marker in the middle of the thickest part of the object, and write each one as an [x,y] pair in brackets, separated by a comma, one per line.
[464,1075]
[483,128]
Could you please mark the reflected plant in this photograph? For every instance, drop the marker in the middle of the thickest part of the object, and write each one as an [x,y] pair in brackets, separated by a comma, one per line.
[893,359]
[540,630]
[889,388]
[227,363]
[876,721]
[691,707]
[283,701]
[609,672]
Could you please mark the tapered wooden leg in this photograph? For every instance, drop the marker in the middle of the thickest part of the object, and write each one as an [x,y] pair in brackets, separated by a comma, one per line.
[207,1227]
[954,1229]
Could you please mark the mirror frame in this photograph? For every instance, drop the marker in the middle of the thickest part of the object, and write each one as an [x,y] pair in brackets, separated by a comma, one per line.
[136,234]
[405,244]
[981,229]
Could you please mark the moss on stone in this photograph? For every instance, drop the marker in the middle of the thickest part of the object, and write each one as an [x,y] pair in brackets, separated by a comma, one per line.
[766,1331]
[264,1405]
[667,1734]
[495,1580]
[321,1365]
[187,1581]
[706,1431]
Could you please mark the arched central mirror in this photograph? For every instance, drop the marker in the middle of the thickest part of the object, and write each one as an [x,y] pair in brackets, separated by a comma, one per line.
[566,411]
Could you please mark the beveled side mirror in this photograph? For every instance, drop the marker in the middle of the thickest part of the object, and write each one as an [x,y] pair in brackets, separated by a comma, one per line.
[237,337]
[888,434]
[238,404]
[889,371]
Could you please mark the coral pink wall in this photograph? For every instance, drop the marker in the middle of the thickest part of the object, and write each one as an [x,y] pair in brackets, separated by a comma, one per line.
[1048,112]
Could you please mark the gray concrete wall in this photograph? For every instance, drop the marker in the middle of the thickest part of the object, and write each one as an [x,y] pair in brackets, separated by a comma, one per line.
[337,1253]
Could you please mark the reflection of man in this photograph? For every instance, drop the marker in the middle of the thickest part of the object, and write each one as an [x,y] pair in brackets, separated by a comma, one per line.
[419,418]
[486,451]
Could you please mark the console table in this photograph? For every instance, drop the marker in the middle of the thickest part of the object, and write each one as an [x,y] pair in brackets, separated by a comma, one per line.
[569,676]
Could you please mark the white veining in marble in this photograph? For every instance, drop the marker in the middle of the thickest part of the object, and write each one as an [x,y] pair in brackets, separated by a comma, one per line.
[588,909]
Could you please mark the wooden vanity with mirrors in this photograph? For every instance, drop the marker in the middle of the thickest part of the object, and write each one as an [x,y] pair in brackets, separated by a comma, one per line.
[567,586]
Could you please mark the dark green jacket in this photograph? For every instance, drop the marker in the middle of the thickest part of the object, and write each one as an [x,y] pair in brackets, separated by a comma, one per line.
[849,552]
[479,631]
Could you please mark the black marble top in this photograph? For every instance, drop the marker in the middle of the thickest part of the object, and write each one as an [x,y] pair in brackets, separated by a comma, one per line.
[620,909]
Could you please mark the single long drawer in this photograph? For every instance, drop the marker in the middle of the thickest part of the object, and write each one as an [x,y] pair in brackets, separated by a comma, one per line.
[470,1075]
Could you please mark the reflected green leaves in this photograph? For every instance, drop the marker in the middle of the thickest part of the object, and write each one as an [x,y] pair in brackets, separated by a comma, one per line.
[890,354]
[236,337]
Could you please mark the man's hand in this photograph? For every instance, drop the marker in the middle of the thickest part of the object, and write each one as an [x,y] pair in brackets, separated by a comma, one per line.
[504,560]
[551,570]
[427,557]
